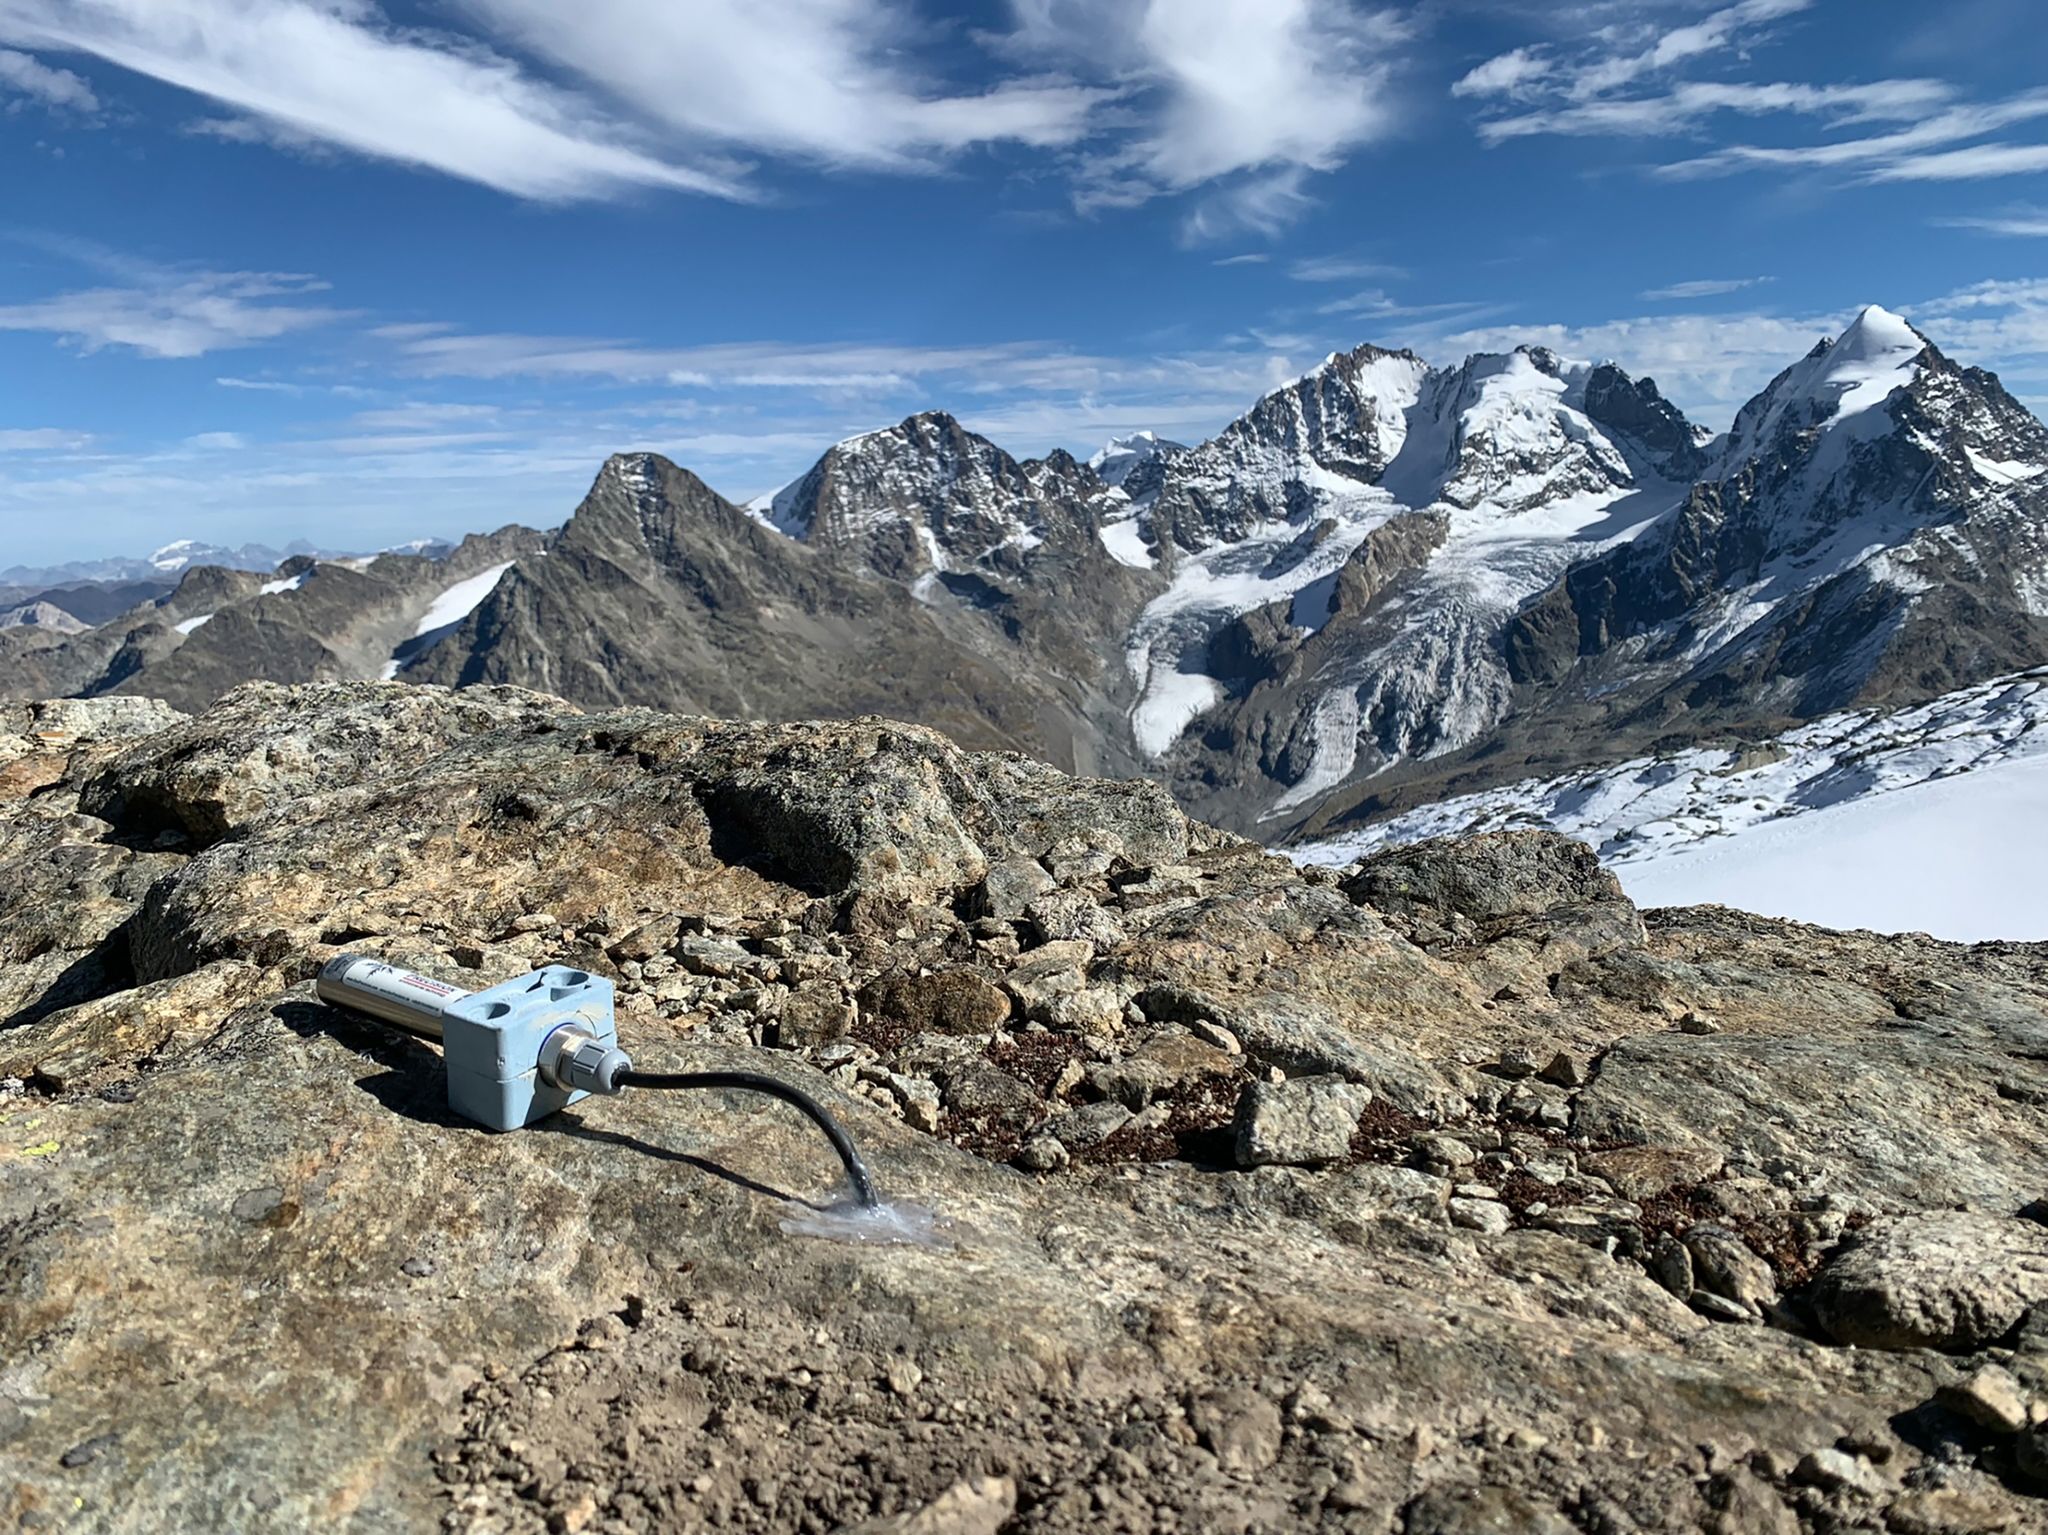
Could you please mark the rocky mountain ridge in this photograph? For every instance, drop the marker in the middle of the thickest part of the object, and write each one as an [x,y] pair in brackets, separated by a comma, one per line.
[219,626]
[1386,583]
[1443,1193]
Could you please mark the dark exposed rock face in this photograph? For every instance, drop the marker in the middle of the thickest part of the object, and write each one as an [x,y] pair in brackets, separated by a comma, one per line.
[256,1276]
[1343,421]
[1634,408]
[309,621]
[660,592]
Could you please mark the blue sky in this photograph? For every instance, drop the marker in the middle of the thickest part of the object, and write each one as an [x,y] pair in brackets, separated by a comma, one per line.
[365,271]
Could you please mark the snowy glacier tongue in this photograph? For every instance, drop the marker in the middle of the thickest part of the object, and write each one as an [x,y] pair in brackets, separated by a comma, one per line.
[1500,447]
[1933,819]
[1168,648]
[447,610]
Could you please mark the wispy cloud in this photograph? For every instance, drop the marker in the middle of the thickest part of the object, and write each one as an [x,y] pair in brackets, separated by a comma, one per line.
[1706,287]
[1259,205]
[871,383]
[1684,105]
[1136,98]
[1951,125]
[2024,222]
[424,416]
[41,439]
[177,314]
[1340,269]
[1510,74]
[1256,94]
[25,77]
[338,73]
[1975,163]
[294,388]
[822,80]
[1624,79]
[1249,258]
[1619,53]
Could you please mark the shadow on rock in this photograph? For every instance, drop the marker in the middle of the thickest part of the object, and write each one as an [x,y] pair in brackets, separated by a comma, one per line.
[415,1086]
[570,1123]
[414,1083]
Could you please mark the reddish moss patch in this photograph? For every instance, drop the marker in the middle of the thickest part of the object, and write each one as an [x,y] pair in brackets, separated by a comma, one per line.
[1196,1129]
[1384,1132]
[1037,1059]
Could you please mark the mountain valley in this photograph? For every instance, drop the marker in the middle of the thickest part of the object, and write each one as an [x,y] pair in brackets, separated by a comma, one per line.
[1387,583]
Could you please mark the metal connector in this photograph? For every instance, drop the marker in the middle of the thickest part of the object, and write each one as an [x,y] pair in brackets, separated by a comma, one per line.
[576,1060]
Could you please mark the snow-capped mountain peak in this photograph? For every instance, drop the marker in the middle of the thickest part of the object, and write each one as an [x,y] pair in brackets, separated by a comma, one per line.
[1114,461]
[176,555]
[1505,431]
[1833,385]
[924,496]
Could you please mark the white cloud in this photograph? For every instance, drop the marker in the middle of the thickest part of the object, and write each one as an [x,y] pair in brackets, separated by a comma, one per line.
[176,315]
[1706,287]
[1972,164]
[217,442]
[1618,53]
[1256,83]
[420,416]
[551,101]
[821,80]
[1252,92]
[1260,205]
[1712,33]
[1249,258]
[379,443]
[1683,106]
[41,439]
[337,73]
[1949,126]
[1619,81]
[2021,222]
[1340,269]
[1507,74]
[39,82]
[841,367]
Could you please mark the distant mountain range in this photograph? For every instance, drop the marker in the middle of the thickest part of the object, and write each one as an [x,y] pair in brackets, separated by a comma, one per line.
[1386,583]
[165,563]
[188,641]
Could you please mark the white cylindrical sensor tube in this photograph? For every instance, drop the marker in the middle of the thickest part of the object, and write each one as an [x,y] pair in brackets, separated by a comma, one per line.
[412,1001]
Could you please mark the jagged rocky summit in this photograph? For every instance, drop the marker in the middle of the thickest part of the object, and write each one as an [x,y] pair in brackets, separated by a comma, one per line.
[1386,583]
[1445,1192]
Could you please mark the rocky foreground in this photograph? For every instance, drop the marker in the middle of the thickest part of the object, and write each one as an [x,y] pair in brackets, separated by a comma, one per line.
[1447,1193]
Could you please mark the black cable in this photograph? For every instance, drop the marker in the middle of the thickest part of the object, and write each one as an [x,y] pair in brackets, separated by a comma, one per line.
[759,1082]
